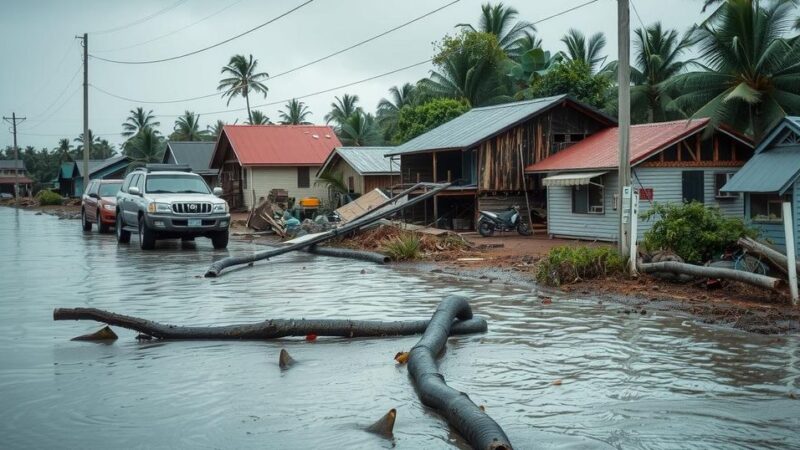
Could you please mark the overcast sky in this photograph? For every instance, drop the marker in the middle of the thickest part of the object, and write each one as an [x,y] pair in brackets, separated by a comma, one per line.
[41,78]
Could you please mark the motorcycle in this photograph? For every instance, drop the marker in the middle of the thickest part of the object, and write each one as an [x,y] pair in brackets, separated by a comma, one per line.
[508,220]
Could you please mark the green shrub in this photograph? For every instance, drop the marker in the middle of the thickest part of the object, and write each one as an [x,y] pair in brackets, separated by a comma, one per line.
[569,264]
[693,231]
[405,247]
[48,198]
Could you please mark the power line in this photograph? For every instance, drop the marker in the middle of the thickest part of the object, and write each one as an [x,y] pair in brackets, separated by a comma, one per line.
[172,58]
[142,20]
[564,12]
[215,94]
[63,91]
[220,11]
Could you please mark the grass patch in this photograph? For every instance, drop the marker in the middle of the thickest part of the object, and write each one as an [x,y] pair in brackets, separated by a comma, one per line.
[564,265]
[405,247]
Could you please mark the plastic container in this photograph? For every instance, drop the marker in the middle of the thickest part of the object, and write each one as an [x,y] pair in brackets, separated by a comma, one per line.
[310,202]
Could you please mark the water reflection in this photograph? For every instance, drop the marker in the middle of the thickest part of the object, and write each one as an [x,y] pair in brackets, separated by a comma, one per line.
[628,381]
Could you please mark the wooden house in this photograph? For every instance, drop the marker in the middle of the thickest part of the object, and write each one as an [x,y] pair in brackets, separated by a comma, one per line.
[771,177]
[676,161]
[362,168]
[484,152]
[254,159]
[13,172]
[195,154]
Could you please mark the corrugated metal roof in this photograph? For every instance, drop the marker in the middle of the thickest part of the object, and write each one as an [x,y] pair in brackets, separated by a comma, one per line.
[479,124]
[601,150]
[773,170]
[12,164]
[96,165]
[197,154]
[286,145]
[368,160]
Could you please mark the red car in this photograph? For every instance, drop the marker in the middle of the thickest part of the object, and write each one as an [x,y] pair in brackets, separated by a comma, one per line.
[99,204]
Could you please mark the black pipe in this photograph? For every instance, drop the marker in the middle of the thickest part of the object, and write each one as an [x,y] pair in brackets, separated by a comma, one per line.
[476,426]
[374,257]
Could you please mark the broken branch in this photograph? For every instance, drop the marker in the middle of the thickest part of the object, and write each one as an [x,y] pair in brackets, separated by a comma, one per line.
[754,279]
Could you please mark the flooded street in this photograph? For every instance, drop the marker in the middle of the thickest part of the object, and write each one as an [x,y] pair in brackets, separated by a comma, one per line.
[629,381]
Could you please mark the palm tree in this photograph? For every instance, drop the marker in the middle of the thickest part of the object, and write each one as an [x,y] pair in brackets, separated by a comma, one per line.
[258,118]
[579,49]
[242,80]
[499,21]
[342,108]
[656,61]
[64,150]
[213,131]
[526,43]
[146,147]
[295,114]
[187,128]
[389,109]
[359,130]
[102,149]
[749,76]
[137,121]
[95,141]
[459,77]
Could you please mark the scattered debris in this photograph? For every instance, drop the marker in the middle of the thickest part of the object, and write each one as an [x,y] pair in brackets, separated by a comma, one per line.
[401,357]
[103,334]
[385,425]
[284,360]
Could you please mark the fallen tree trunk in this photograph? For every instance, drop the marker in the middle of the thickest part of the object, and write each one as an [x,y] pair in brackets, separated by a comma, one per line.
[777,259]
[269,329]
[374,257]
[476,426]
[754,279]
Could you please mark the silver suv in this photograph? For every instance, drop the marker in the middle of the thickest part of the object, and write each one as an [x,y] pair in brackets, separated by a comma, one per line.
[166,201]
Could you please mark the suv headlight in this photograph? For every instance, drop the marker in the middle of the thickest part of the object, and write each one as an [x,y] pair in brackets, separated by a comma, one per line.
[220,207]
[155,207]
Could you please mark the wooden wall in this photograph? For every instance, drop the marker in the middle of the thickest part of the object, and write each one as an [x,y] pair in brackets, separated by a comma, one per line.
[417,167]
[378,182]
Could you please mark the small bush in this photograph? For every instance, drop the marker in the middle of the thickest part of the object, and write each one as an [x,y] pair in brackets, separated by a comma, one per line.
[48,198]
[693,231]
[405,247]
[564,265]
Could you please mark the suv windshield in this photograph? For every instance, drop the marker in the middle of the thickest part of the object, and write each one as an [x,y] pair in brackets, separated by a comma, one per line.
[109,189]
[176,184]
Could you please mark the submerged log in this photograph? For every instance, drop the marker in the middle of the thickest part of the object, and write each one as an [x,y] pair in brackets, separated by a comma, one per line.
[754,279]
[284,360]
[268,329]
[103,334]
[385,425]
[476,426]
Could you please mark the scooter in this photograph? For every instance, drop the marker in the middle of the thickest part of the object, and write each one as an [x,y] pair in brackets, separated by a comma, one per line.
[508,220]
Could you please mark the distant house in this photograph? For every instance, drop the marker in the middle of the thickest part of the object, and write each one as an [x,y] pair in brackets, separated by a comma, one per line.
[362,168]
[195,154]
[485,150]
[769,178]
[671,162]
[253,159]
[70,177]
[13,171]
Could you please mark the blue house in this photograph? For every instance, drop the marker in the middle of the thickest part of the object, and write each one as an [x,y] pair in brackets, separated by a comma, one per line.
[771,177]
[70,177]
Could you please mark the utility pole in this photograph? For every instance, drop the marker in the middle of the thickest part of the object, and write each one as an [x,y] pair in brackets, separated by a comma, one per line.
[87,141]
[625,192]
[13,121]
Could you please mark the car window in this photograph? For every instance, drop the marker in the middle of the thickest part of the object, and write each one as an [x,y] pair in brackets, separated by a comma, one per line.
[90,188]
[176,184]
[134,180]
[140,182]
[127,182]
[109,189]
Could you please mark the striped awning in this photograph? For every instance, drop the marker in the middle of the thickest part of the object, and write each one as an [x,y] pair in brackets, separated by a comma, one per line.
[572,179]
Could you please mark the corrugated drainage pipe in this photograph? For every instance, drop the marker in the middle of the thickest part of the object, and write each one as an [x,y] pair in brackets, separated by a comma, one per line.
[374,257]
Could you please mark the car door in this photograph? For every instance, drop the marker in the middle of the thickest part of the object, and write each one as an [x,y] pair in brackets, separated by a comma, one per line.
[89,204]
[138,200]
[124,199]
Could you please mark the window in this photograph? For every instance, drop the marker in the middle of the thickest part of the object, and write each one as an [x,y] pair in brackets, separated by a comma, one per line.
[127,182]
[140,183]
[244,178]
[303,180]
[92,189]
[134,181]
[588,199]
[693,186]
[720,180]
[351,184]
[765,208]
[109,189]
[171,184]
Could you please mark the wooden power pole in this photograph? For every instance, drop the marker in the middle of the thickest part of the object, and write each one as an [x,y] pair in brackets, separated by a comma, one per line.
[13,120]
[624,121]
[87,140]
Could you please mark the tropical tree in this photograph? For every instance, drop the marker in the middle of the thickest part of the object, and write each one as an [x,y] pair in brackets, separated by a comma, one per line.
[389,109]
[102,149]
[146,147]
[137,121]
[575,79]
[242,79]
[215,130]
[359,129]
[187,128]
[579,49]
[334,183]
[526,43]
[525,69]
[258,118]
[415,120]
[295,114]
[95,141]
[749,74]
[657,59]
[342,108]
[64,150]
[499,20]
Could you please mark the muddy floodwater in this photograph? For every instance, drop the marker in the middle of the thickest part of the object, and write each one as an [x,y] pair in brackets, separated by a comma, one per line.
[628,381]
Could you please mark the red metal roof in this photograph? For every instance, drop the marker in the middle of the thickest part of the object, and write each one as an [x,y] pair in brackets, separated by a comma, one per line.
[601,150]
[20,180]
[280,145]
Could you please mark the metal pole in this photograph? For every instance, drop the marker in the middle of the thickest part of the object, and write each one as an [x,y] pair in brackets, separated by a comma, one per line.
[791,267]
[87,140]
[624,74]
[13,121]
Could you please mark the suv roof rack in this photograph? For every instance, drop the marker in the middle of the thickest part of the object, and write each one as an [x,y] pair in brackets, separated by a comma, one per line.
[167,168]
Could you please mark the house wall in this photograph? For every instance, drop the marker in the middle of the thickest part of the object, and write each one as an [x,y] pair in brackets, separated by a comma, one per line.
[263,179]
[666,184]
[347,171]
[372,182]
[774,232]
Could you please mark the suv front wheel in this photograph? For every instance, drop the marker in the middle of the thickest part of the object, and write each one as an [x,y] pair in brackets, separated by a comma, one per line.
[123,235]
[147,238]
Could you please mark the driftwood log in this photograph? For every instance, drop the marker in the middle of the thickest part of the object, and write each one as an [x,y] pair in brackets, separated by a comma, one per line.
[776,259]
[268,329]
[476,426]
[754,279]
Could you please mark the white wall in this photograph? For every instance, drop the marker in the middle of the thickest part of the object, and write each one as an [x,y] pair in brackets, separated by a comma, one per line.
[263,179]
